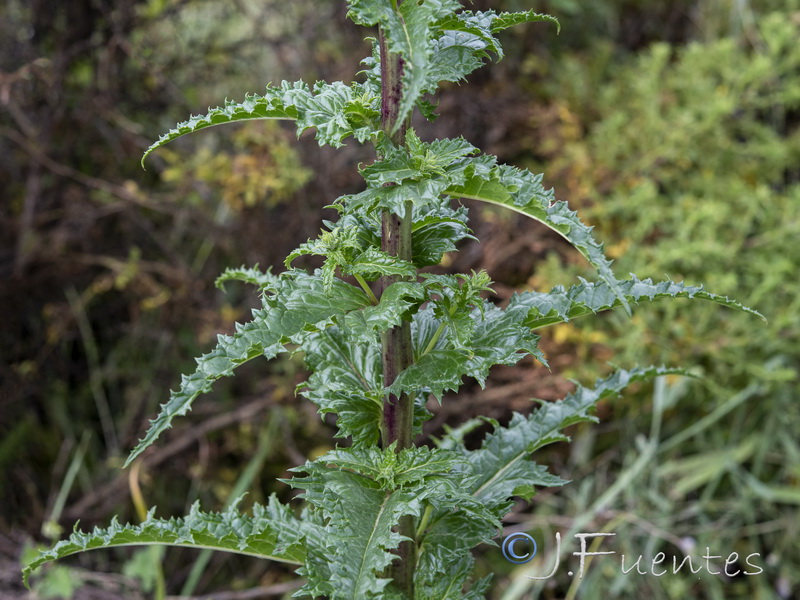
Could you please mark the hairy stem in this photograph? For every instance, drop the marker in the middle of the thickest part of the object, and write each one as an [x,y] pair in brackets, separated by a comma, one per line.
[398,412]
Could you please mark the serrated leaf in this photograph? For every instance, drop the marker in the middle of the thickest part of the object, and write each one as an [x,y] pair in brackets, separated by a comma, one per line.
[561,305]
[437,372]
[502,463]
[498,337]
[373,263]
[505,20]
[346,380]
[300,304]
[359,522]
[522,191]
[449,583]
[270,533]
[276,103]
[395,470]
[437,233]
[337,111]
[262,280]
[364,325]
[465,39]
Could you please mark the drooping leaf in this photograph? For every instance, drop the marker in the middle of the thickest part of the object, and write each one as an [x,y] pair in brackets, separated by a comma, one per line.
[271,533]
[262,280]
[337,111]
[503,465]
[523,192]
[299,305]
[561,305]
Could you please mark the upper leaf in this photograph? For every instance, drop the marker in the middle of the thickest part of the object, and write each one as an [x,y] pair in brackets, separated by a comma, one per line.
[436,42]
[271,532]
[337,111]
[262,280]
[464,40]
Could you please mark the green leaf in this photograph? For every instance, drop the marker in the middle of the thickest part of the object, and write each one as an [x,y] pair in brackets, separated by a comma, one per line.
[505,20]
[359,520]
[395,303]
[502,463]
[449,583]
[496,336]
[438,480]
[262,280]
[395,470]
[561,305]
[465,39]
[522,191]
[337,111]
[346,380]
[437,232]
[300,304]
[276,103]
[410,32]
[271,532]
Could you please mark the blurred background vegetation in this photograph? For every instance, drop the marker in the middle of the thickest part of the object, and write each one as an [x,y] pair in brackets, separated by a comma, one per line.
[674,126]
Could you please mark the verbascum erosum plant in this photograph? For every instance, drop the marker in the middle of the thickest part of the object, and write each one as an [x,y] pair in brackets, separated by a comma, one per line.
[385,517]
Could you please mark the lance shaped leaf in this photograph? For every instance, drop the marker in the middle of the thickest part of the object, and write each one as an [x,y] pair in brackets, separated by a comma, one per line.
[336,110]
[502,463]
[300,304]
[523,192]
[271,532]
[561,305]
[262,280]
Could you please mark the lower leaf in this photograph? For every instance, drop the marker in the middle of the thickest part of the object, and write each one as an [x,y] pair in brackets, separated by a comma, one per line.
[271,532]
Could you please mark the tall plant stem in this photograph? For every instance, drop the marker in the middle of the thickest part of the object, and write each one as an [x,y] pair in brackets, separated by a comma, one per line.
[398,412]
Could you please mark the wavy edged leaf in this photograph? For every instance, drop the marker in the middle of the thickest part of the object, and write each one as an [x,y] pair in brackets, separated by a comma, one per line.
[252,275]
[301,304]
[497,336]
[359,530]
[271,532]
[276,103]
[561,305]
[502,463]
[523,192]
[464,40]
[336,110]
